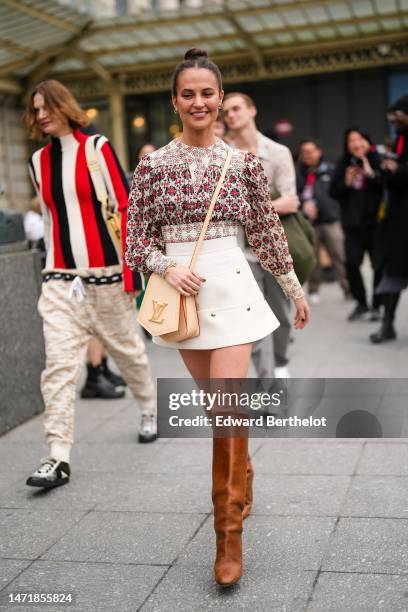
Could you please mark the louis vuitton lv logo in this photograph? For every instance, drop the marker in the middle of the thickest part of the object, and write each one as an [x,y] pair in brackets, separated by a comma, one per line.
[158,308]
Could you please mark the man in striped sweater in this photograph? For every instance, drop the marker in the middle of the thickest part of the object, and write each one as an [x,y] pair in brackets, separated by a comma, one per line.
[82,292]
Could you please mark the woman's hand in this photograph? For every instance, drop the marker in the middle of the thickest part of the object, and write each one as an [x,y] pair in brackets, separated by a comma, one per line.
[367,169]
[302,316]
[183,279]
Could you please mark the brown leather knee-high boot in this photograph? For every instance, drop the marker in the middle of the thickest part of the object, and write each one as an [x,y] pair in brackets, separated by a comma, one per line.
[230,457]
[248,489]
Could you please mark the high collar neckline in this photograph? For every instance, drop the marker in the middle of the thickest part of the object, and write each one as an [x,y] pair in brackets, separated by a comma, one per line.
[187,146]
[74,136]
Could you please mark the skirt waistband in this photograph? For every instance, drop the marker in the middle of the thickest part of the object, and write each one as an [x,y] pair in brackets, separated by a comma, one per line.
[208,246]
[189,232]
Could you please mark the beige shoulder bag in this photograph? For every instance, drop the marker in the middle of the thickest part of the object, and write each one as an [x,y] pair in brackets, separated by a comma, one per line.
[164,311]
[112,219]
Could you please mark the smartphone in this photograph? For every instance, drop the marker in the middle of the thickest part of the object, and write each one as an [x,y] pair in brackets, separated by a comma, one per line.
[355,161]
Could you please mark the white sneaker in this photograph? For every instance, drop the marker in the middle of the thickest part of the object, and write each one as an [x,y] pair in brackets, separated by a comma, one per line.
[51,473]
[282,372]
[148,428]
[314,298]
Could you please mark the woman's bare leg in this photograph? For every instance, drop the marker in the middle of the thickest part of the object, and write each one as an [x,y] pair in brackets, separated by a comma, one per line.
[230,361]
[197,363]
[226,362]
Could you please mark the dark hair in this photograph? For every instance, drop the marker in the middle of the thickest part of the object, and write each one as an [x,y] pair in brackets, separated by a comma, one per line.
[195,58]
[347,133]
[314,141]
[401,104]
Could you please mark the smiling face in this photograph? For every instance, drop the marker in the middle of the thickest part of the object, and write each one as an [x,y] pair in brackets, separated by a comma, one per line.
[238,114]
[198,99]
[357,144]
[49,123]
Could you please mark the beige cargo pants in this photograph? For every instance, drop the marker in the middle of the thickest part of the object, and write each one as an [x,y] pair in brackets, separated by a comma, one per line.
[106,312]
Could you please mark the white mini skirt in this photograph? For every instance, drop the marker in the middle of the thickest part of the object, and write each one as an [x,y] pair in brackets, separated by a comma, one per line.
[231,307]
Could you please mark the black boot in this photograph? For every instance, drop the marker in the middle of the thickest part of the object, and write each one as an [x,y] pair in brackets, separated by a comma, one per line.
[97,386]
[115,379]
[386,332]
[375,314]
[358,312]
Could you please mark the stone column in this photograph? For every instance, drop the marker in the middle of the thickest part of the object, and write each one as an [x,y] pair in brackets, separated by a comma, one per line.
[168,5]
[15,186]
[137,6]
[117,112]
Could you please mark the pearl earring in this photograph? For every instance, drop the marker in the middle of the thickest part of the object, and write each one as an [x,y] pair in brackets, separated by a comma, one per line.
[175,111]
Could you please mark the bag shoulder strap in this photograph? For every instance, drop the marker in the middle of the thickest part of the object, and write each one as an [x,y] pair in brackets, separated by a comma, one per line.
[96,173]
[210,209]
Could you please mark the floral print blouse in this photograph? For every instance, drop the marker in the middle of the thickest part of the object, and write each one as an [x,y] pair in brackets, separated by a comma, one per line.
[174,185]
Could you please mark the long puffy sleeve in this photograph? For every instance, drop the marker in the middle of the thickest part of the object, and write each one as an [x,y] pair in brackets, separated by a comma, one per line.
[265,232]
[118,190]
[144,245]
[285,174]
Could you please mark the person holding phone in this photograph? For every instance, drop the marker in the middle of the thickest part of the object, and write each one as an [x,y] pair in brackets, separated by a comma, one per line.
[358,187]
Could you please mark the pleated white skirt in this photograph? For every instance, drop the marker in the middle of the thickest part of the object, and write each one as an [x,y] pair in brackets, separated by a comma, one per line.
[231,307]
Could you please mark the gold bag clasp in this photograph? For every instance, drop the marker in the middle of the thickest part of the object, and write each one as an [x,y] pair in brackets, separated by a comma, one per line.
[158,308]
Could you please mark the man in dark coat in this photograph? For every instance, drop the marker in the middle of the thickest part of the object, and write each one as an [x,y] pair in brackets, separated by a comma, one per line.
[313,185]
[395,229]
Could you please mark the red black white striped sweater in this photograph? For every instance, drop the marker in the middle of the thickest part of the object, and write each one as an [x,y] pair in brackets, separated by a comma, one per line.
[76,235]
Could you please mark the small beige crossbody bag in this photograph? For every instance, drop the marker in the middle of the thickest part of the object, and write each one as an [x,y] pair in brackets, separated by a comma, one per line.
[164,311]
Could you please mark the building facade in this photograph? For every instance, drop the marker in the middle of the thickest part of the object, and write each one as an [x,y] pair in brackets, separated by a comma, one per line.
[313,67]
[320,106]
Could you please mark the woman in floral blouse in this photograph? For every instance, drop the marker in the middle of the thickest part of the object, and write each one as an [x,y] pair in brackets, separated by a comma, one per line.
[171,193]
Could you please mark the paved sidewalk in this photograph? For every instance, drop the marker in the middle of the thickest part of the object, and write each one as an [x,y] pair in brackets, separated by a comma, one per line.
[133,530]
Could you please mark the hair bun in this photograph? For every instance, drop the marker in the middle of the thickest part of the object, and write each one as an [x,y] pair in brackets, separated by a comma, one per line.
[193,54]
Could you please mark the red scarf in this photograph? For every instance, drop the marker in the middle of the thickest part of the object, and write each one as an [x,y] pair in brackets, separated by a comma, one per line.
[311,179]
[399,147]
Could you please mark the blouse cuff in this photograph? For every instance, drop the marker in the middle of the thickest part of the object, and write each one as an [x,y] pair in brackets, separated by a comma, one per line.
[157,262]
[290,285]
